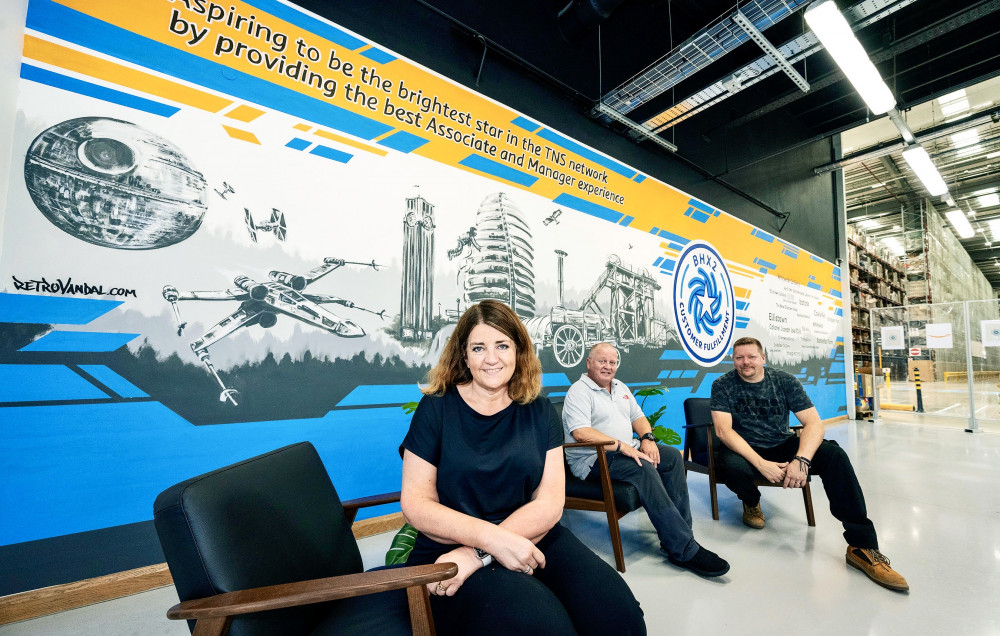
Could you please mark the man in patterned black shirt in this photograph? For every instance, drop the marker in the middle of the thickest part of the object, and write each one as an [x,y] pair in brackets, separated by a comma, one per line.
[750,407]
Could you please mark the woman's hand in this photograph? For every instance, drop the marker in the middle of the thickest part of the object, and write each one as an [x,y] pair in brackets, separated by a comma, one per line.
[516,553]
[466,560]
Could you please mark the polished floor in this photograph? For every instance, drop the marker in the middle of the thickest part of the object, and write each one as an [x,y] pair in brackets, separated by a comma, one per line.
[932,493]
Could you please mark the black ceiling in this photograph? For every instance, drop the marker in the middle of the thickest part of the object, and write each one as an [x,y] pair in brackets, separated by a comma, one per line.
[923,49]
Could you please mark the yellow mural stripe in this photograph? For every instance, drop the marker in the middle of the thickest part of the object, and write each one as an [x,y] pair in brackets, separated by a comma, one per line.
[302,127]
[244,113]
[350,142]
[242,135]
[85,64]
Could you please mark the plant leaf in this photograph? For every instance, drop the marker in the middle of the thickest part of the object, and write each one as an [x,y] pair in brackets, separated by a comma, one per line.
[401,546]
[668,436]
[410,407]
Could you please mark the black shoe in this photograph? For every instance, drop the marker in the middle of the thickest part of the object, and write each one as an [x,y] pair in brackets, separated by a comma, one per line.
[703,563]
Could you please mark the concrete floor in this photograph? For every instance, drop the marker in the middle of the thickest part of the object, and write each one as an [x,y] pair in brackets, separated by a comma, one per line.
[930,491]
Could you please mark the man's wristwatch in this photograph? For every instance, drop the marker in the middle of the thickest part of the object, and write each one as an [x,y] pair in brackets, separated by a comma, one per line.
[649,436]
[484,556]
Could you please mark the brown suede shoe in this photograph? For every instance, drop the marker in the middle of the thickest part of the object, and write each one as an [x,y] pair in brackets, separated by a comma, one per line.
[874,564]
[753,517]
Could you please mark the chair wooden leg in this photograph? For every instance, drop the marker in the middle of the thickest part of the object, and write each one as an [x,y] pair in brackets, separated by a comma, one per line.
[212,626]
[616,540]
[715,498]
[420,610]
[808,499]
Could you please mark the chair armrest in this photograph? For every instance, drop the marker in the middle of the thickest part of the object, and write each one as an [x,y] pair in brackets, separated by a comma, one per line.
[373,500]
[699,425]
[314,591]
[592,444]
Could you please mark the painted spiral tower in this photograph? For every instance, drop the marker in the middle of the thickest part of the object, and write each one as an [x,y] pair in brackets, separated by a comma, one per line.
[503,267]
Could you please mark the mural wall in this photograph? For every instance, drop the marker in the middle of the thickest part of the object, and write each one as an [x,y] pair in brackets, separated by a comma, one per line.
[235,226]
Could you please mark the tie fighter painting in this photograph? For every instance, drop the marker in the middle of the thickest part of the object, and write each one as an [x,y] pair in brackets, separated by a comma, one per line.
[276,225]
[262,302]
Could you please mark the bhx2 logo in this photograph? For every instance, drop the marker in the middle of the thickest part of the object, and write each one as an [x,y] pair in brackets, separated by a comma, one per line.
[704,306]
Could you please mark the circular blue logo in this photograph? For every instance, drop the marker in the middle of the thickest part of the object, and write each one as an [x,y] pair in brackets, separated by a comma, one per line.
[704,305]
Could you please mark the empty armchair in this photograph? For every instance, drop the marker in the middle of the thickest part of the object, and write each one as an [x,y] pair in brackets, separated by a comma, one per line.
[264,546]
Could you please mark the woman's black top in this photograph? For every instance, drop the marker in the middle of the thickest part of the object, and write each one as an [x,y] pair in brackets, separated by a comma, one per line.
[488,466]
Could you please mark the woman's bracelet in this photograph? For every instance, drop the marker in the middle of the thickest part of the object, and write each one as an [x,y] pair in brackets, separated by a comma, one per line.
[803,462]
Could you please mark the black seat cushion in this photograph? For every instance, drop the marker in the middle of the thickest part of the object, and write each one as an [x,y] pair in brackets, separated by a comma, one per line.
[271,519]
[626,496]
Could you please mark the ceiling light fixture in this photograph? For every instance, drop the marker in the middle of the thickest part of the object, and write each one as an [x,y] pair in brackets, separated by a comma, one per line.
[988,200]
[960,223]
[954,108]
[994,228]
[920,162]
[829,25]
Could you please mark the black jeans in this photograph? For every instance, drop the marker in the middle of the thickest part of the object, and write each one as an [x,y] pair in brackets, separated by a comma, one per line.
[831,463]
[556,600]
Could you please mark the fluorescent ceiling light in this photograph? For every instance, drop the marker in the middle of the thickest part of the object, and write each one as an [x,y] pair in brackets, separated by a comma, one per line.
[960,223]
[979,193]
[868,224]
[878,185]
[892,243]
[954,108]
[965,138]
[952,96]
[993,155]
[920,162]
[829,25]
[988,200]
[995,228]
[969,150]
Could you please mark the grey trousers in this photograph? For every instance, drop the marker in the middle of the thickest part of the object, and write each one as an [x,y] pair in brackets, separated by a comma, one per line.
[664,494]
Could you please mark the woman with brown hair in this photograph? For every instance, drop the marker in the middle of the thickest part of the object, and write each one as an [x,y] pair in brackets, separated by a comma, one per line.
[484,483]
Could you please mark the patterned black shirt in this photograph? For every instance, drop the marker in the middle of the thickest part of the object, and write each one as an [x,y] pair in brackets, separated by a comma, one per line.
[760,410]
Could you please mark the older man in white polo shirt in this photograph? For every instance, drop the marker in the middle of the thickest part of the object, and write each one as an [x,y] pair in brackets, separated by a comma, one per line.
[599,408]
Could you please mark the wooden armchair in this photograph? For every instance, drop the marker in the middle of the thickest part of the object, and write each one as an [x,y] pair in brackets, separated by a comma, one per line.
[699,454]
[265,546]
[614,498]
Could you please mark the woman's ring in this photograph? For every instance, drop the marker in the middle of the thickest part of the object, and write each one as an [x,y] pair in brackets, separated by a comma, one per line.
[441,589]
[527,570]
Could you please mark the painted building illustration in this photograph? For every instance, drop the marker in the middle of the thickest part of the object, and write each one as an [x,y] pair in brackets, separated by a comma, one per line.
[417,289]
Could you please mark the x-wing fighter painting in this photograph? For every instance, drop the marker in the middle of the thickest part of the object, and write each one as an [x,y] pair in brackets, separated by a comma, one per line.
[553,218]
[262,302]
[276,225]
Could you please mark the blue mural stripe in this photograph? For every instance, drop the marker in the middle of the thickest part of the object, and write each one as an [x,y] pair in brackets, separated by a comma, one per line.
[836,271]
[790,253]
[644,384]
[697,215]
[378,55]
[670,236]
[656,263]
[74,85]
[497,169]
[132,450]
[113,381]
[297,143]
[403,141]
[816,258]
[626,220]
[668,265]
[43,383]
[760,261]
[639,178]
[555,379]
[75,27]
[839,312]
[814,286]
[382,394]
[315,25]
[587,207]
[663,375]
[742,304]
[80,341]
[331,153]
[762,235]
[64,310]
[689,373]
[525,123]
[555,394]
[674,354]
[654,230]
[835,293]
[586,153]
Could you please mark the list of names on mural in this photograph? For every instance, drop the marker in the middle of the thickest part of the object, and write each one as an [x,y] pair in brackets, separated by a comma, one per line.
[800,322]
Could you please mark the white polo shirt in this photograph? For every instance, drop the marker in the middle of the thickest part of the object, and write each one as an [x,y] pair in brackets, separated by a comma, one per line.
[587,404]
